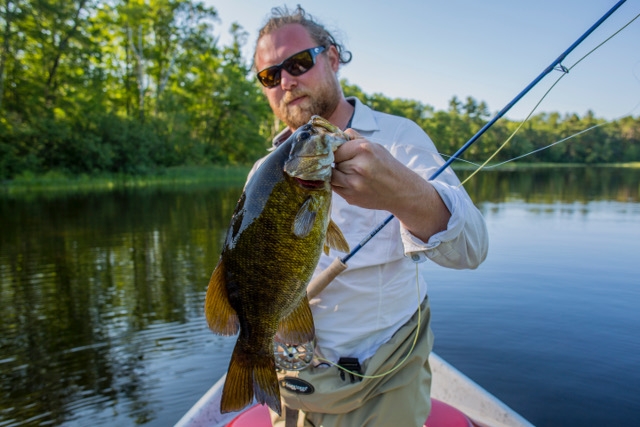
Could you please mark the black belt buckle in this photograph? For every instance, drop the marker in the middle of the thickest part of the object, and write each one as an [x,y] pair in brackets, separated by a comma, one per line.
[352,365]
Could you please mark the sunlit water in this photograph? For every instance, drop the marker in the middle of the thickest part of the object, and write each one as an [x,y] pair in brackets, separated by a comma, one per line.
[101,299]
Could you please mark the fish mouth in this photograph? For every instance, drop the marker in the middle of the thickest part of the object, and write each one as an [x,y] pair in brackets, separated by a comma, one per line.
[310,184]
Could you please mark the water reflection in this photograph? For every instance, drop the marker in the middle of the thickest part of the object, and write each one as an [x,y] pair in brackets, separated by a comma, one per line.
[102,294]
[81,275]
[557,185]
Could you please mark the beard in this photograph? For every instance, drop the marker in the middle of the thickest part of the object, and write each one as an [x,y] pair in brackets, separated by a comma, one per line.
[321,100]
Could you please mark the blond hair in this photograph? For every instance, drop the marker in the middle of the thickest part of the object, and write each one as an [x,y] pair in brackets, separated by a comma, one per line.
[281,16]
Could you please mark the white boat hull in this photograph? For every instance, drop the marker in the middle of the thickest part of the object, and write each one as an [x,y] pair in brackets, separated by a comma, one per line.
[448,385]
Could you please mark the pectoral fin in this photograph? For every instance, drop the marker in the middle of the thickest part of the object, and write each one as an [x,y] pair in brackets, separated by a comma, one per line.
[335,239]
[221,317]
[306,216]
[298,326]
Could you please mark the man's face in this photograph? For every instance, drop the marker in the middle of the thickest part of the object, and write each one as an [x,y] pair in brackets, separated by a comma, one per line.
[297,98]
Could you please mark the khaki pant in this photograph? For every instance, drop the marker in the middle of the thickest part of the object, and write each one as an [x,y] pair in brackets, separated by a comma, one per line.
[398,399]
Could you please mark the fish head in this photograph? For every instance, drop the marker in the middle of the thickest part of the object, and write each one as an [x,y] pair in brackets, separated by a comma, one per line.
[311,153]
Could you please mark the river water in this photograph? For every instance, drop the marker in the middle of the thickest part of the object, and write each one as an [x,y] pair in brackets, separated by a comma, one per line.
[101,298]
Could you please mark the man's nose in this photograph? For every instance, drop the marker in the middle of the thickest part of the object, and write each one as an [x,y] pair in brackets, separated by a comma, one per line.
[287,81]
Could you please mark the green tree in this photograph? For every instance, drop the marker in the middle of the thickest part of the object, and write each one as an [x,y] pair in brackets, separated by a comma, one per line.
[94,86]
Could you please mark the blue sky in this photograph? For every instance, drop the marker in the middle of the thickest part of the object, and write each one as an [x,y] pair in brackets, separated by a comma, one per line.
[490,50]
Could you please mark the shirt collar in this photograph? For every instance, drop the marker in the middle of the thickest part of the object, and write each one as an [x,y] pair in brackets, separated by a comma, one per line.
[363,118]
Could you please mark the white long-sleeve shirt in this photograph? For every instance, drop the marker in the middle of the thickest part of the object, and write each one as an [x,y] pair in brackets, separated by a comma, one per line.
[363,307]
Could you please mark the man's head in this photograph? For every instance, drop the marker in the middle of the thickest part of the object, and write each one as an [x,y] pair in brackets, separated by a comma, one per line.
[299,86]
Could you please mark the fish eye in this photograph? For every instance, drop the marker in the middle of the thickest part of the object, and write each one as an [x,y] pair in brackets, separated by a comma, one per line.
[304,135]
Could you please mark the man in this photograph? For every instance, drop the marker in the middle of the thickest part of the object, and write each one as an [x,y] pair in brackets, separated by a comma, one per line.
[372,312]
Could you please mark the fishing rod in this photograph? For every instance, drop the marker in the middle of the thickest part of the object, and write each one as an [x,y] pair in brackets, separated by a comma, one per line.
[339,264]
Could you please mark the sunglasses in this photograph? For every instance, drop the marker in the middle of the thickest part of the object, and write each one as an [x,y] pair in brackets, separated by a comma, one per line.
[296,65]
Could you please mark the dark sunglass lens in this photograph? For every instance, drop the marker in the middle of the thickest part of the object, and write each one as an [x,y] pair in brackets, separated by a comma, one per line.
[299,63]
[295,65]
[269,77]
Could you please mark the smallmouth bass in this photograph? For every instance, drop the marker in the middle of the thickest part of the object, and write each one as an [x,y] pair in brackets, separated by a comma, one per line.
[278,230]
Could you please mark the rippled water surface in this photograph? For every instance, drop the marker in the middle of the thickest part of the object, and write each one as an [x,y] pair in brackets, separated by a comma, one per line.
[101,301]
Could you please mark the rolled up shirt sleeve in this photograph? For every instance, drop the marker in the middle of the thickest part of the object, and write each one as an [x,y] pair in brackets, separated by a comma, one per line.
[464,244]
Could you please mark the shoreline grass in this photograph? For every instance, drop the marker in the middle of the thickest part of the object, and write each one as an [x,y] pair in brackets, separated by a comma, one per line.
[170,177]
[58,182]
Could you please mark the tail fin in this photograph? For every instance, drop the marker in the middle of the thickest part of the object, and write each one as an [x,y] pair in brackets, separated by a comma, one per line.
[249,375]
[265,383]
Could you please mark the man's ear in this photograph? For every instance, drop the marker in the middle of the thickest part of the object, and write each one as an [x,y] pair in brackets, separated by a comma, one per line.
[334,58]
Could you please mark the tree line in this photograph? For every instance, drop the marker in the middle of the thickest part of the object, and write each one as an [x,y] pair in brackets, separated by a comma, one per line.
[132,86]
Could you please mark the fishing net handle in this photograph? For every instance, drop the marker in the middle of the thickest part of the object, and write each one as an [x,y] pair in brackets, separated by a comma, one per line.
[323,279]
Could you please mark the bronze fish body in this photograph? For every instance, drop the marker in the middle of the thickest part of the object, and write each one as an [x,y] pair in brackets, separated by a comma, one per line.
[278,230]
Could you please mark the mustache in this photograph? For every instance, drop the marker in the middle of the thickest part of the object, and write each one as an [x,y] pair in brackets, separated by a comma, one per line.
[291,96]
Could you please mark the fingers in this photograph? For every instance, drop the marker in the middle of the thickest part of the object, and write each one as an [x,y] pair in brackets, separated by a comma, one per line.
[354,148]
[346,151]
[353,134]
[338,178]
